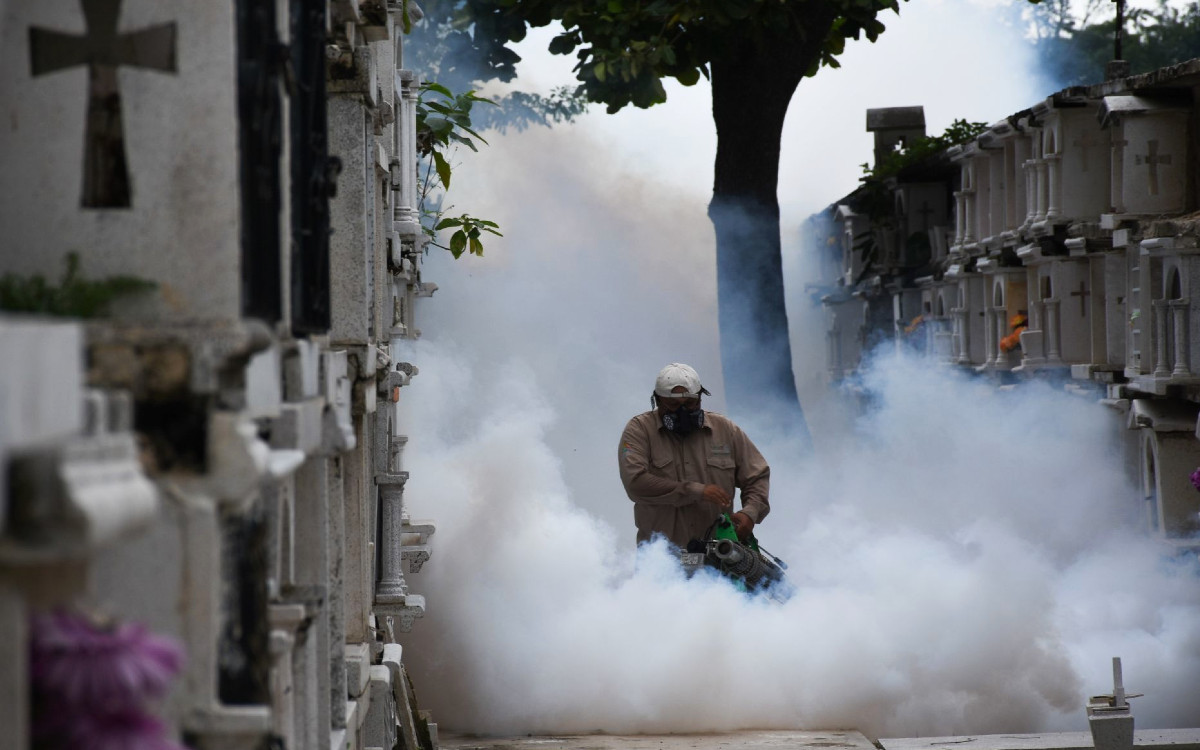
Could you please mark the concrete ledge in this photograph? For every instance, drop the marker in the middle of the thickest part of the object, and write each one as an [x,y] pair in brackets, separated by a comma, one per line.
[1146,739]
[746,740]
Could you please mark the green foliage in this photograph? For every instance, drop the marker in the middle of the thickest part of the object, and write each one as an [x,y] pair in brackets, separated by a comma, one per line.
[468,231]
[443,117]
[1074,48]
[874,198]
[462,50]
[960,131]
[443,123]
[625,48]
[73,297]
[519,109]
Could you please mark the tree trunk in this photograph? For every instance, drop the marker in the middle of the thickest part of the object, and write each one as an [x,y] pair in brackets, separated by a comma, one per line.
[751,89]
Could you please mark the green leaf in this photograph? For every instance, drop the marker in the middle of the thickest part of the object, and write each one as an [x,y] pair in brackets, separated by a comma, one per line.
[458,242]
[563,44]
[439,88]
[472,132]
[447,223]
[464,141]
[688,77]
[443,169]
[439,126]
[476,247]
[599,71]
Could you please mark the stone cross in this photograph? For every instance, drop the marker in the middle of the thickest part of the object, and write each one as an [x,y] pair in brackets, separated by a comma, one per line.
[1082,294]
[103,50]
[1152,160]
[1083,142]
[925,212]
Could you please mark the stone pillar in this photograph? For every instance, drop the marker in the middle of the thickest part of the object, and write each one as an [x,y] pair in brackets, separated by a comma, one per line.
[1033,338]
[407,145]
[1043,191]
[962,339]
[1030,168]
[1160,338]
[1179,316]
[990,342]
[1052,329]
[960,212]
[391,588]
[1053,186]
[968,217]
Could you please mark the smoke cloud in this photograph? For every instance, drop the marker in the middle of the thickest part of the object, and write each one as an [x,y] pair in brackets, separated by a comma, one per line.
[964,560]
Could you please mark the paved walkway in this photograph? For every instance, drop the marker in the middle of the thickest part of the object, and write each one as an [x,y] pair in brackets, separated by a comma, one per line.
[777,740]
[1144,739]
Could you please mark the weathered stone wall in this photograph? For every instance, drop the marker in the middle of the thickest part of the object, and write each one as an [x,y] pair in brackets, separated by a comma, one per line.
[191,462]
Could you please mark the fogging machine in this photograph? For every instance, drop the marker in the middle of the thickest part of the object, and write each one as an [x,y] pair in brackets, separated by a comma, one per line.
[747,563]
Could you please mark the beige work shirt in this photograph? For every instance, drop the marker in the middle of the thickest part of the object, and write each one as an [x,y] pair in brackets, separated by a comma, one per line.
[665,474]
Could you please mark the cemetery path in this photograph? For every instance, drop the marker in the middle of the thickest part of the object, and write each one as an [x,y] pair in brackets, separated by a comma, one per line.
[746,740]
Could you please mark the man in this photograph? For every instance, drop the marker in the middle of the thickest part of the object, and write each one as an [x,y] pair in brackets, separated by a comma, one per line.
[680,464]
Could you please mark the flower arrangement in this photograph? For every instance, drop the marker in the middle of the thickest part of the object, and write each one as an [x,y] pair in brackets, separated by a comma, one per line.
[1016,324]
[93,681]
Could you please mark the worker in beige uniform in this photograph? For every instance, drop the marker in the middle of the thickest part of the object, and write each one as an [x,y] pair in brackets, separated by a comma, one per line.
[680,464]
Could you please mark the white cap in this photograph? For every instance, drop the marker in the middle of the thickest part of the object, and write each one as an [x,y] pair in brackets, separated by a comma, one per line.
[676,374]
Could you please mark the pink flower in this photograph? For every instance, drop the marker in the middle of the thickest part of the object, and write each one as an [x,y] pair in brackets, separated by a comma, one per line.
[1196,479]
[83,666]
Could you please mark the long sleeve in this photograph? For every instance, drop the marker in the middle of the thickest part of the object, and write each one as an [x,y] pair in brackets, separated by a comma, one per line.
[753,477]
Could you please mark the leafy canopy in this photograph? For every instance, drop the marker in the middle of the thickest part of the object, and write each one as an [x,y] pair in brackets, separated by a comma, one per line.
[625,48]
[1075,44]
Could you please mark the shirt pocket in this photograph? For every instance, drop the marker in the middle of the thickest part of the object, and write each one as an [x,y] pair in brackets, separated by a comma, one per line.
[721,470]
[663,466]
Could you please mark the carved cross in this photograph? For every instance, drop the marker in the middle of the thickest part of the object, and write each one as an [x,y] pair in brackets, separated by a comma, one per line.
[1083,142]
[925,212]
[103,50]
[1152,159]
[1082,294]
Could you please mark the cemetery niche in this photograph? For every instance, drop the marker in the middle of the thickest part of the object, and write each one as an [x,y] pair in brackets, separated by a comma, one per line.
[218,459]
[1063,245]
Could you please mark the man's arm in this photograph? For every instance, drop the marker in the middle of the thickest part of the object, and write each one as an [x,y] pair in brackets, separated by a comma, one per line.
[753,477]
[633,457]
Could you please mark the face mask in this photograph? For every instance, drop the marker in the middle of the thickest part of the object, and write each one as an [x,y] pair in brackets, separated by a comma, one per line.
[682,422]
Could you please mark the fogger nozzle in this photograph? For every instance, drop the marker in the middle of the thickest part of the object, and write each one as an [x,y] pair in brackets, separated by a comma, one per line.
[728,552]
[740,561]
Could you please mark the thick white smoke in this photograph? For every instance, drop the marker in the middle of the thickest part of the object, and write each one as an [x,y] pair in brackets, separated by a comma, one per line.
[963,558]
[966,569]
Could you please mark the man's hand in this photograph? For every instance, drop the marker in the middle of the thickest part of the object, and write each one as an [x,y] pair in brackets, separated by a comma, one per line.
[743,524]
[717,496]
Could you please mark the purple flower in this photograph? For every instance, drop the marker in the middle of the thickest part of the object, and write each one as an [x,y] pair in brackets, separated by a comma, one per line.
[1196,479]
[86,667]
[125,730]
